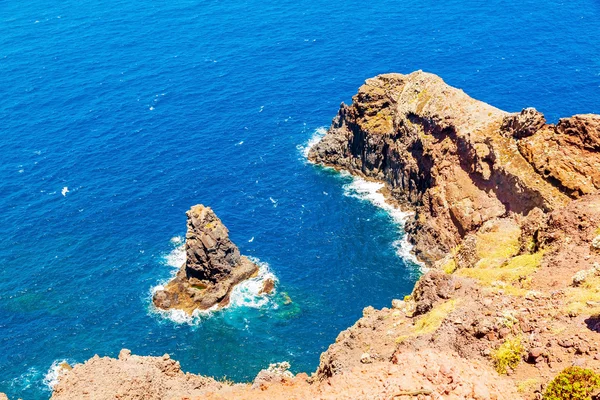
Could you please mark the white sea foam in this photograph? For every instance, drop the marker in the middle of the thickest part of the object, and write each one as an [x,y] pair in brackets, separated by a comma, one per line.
[316,137]
[176,257]
[57,369]
[371,191]
[25,380]
[246,294]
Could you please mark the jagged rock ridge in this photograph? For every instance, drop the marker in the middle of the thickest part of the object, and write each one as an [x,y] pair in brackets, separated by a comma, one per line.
[212,268]
[457,161]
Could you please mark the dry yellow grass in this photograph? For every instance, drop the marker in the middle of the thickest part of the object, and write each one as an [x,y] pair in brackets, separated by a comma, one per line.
[585,298]
[431,321]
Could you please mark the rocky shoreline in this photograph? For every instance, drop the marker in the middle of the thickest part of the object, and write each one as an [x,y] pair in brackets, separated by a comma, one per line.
[507,214]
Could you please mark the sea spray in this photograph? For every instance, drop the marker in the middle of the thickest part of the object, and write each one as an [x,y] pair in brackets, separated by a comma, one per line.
[370,191]
[316,137]
[56,370]
[247,293]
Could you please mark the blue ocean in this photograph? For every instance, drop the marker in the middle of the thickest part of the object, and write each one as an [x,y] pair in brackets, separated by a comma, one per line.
[116,117]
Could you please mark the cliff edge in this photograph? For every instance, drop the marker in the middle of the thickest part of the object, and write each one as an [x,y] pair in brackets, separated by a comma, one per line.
[456,161]
[507,217]
[212,268]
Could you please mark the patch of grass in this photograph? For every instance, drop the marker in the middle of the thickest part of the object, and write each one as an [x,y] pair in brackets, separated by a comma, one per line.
[508,355]
[527,385]
[514,273]
[573,383]
[496,246]
[430,322]
[225,381]
[583,298]
[450,266]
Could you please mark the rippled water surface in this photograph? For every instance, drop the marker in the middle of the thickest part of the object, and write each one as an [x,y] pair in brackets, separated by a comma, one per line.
[117,116]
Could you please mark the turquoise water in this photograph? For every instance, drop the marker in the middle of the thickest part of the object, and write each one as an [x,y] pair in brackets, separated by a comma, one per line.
[142,109]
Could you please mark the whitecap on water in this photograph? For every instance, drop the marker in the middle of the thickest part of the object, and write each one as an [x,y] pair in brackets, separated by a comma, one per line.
[246,294]
[316,137]
[176,257]
[26,380]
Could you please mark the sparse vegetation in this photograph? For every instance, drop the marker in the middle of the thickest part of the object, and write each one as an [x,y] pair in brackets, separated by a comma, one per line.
[450,266]
[573,383]
[584,298]
[508,355]
[495,246]
[527,385]
[431,321]
[515,271]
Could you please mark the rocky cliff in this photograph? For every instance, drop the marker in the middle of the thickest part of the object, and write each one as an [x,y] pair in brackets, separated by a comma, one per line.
[212,268]
[507,214]
[456,161]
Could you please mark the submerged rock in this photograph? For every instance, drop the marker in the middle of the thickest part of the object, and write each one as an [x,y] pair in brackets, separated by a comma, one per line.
[212,268]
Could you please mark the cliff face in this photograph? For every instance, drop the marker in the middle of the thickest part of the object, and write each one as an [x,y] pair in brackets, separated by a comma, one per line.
[507,212]
[212,268]
[456,161]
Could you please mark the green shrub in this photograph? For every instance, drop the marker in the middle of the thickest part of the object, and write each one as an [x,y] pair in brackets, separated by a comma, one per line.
[574,383]
[508,355]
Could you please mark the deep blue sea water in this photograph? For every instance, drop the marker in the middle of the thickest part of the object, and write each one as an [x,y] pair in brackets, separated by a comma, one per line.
[143,109]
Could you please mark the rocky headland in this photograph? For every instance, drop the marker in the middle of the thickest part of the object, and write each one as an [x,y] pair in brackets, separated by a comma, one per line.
[506,217]
[213,266]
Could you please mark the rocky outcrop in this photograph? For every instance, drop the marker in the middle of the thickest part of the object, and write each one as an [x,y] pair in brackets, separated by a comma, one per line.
[419,374]
[457,161]
[212,268]
[507,214]
[568,154]
[130,377]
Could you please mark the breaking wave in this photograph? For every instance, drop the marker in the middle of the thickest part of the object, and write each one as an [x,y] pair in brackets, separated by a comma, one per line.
[316,137]
[57,369]
[370,191]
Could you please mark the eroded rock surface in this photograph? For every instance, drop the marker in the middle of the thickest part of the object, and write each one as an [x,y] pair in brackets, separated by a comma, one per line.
[457,161]
[507,217]
[130,377]
[212,268]
[416,374]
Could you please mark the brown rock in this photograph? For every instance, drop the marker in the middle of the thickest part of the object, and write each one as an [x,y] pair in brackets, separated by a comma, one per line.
[452,158]
[431,288]
[212,268]
[536,355]
[567,154]
[268,286]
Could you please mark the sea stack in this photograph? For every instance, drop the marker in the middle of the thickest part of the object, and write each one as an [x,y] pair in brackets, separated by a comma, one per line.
[212,268]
